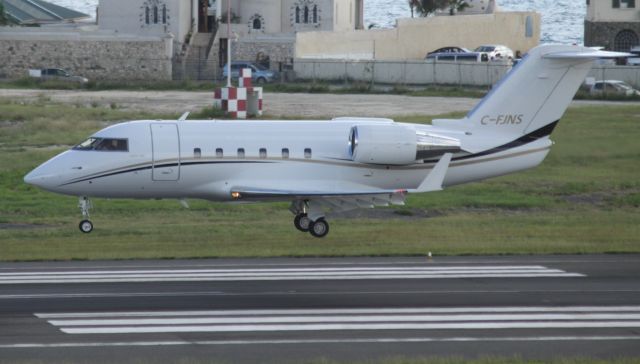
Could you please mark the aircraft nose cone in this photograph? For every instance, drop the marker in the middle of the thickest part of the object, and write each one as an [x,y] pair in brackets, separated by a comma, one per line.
[33,178]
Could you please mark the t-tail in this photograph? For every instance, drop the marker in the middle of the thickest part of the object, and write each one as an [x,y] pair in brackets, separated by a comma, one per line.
[532,97]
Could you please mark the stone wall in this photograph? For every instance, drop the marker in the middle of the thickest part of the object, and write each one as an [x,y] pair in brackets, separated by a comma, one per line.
[278,50]
[603,34]
[96,55]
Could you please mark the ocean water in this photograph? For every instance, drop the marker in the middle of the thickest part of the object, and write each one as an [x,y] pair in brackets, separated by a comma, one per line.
[562,20]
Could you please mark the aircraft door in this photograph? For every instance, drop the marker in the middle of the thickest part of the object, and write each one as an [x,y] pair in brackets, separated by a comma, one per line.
[166,152]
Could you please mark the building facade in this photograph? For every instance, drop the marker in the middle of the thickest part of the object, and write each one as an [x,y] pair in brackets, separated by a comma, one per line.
[613,24]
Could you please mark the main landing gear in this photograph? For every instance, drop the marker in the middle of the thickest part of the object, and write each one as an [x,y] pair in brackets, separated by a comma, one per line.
[318,228]
[86,226]
[308,219]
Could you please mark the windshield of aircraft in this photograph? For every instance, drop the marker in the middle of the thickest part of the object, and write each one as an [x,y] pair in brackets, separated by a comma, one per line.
[104,144]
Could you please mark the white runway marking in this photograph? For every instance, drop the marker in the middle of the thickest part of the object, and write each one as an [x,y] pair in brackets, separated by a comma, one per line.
[474,318]
[318,341]
[275,274]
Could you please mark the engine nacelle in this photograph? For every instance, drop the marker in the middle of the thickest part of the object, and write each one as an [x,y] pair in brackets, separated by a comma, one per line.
[396,144]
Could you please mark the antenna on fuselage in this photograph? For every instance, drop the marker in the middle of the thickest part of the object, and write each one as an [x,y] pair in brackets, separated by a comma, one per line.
[183,117]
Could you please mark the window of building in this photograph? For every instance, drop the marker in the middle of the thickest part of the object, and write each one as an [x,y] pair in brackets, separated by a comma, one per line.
[164,14]
[307,152]
[625,40]
[306,14]
[315,13]
[219,153]
[146,14]
[263,153]
[625,4]
[528,27]
[240,152]
[197,153]
[297,14]
[256,23]
[155,14]
[285,153]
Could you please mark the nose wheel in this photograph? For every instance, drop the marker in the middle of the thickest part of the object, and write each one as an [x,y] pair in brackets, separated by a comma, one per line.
[86,226]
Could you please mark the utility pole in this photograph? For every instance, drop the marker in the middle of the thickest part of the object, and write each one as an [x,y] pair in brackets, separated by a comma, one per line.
[228,43]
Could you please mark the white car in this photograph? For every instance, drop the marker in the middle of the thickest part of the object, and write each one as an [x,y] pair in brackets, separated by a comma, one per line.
[613,87]
[495,51]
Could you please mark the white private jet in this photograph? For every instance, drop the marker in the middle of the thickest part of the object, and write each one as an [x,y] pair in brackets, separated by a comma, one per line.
[322,166]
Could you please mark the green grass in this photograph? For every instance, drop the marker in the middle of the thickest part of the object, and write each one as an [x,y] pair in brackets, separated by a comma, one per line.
[584,198]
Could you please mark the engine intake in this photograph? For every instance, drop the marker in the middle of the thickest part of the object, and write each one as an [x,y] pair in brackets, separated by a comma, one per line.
[396,144]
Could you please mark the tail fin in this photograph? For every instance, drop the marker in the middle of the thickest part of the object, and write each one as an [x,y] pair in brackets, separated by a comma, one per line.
[535,93]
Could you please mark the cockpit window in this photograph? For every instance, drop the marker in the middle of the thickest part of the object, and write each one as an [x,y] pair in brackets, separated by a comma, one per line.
[104,144]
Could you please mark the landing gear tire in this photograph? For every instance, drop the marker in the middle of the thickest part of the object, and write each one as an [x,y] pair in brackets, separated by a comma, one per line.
[319,228]
[302,222]
[86,226]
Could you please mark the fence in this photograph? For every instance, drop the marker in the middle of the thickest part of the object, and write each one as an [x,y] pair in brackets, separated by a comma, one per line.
[405,73]
[483,74]
[628,74]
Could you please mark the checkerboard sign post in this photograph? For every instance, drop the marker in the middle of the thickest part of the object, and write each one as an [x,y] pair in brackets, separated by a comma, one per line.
[240,102]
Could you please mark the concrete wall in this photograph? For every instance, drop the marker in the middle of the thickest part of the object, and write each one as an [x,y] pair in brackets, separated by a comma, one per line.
[96,55]
[409,40]
[411,72]
[603,10]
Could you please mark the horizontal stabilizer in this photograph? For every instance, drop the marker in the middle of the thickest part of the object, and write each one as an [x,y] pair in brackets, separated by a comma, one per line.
[590,54]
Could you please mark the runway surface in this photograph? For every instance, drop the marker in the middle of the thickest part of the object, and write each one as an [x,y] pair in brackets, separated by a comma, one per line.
[292,310]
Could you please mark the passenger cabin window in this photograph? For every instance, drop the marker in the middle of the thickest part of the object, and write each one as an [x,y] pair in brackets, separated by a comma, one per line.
[285,153]
[240,152]
[307,152]
[263,153]
[219,153]
[197,153]
[104,144]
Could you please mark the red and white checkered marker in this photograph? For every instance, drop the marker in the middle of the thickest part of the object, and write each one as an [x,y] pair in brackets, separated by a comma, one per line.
[241,101]
[245,78]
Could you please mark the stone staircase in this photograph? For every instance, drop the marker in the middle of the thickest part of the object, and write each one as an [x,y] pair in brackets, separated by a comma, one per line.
[198,66]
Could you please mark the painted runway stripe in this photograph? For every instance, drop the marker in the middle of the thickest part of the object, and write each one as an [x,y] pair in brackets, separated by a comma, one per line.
[273,274]
[341,327]
[340,319]
[317,341]
[338,311]
[487,318]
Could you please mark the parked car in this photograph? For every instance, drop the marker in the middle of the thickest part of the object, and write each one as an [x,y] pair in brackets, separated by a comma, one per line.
[449,50]
[458,57]
[495,51]
[259,74]
[56,74]
[613,87]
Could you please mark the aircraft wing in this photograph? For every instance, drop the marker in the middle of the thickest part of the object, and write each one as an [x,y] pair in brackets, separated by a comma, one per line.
[347,198]
[319,202]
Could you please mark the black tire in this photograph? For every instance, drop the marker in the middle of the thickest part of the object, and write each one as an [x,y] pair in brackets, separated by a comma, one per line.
[319,228]
[261,80]
[302,222]
[85,226]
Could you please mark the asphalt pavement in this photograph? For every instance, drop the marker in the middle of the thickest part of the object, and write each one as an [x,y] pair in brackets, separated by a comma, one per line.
[296,310]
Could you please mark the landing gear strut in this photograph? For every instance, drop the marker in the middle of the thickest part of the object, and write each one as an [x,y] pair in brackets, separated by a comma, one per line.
[86,226]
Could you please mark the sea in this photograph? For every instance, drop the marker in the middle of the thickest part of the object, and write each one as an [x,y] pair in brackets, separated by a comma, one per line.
[562,20]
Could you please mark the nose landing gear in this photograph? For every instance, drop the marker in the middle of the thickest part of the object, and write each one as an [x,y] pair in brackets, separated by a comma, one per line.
[86,226]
